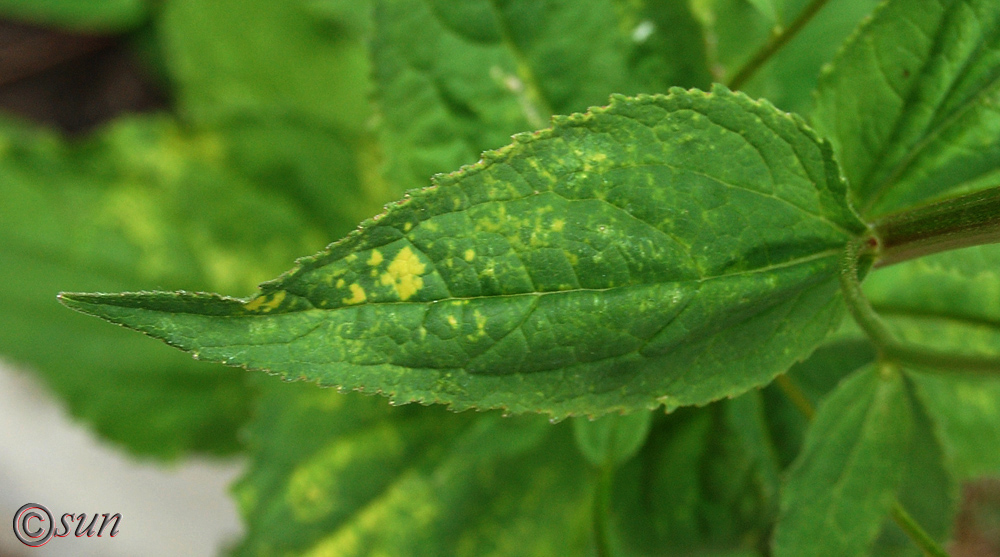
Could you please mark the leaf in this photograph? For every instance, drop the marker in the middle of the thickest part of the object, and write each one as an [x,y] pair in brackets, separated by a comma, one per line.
[968,412]
[745,416]
[141,203]
[334,474]
[610,440]
[103,16]
[929,489]
[909,103]
[840,488]
[790,77]
[456,78]
[766,8]
[951,301]
[694,489]
[597,266]
[278,59]
[320,167]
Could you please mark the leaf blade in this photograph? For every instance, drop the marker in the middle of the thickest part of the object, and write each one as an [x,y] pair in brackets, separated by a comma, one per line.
[441,298]
[907,103]
[846,477]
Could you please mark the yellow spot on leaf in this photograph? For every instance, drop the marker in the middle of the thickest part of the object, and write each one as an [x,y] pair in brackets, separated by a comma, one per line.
[376,258]
[452,321]
[558,224]
[340,283]
[357,295]
[469,255]
[266,303]
[403,274]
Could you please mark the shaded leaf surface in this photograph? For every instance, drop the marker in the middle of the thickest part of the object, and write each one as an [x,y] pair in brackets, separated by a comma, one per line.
[910,103]
[694,489]
[141,203]
[335,474]
[603,264]
[840,488]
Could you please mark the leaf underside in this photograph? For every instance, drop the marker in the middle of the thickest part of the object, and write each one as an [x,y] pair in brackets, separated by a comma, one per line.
[668,249]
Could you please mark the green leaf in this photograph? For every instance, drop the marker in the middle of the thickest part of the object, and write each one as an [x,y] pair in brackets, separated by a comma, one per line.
[766,8]
[951,301]
[325,170]
[597,266]
[334,474]
[790,77]
[745,416]
[143,202]
[694,489]
[455,78]
[968,412]
[840,488]
[929,489]
[79,15]
[278,59]
[909,104]
[610,440]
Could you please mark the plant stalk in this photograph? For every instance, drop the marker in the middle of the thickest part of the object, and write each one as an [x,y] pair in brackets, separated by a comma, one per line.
[968,220]
[602,503]
[774,44]
[890,348]
[924,541]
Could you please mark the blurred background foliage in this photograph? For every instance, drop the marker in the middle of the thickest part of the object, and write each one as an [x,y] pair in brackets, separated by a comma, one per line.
[203,146]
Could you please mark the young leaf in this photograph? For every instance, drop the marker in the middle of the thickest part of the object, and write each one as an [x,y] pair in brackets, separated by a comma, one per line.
[455,78]
[143,202]
[909,103]
[640,254]
[343,475]
[840,488]
[610,440]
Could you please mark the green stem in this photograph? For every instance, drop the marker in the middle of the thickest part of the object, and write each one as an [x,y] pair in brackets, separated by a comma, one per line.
[924,541]
[890,348]
[795,395]
[602,503]
[967,220]
[775,43]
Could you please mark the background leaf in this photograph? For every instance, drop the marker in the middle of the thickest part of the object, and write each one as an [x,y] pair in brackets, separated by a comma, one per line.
[951,301]
[694,489]
[457,78]
[337,474]
[610,440]
[909,104]
[561,236]
[840,488]
[142,203]
[278,59]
